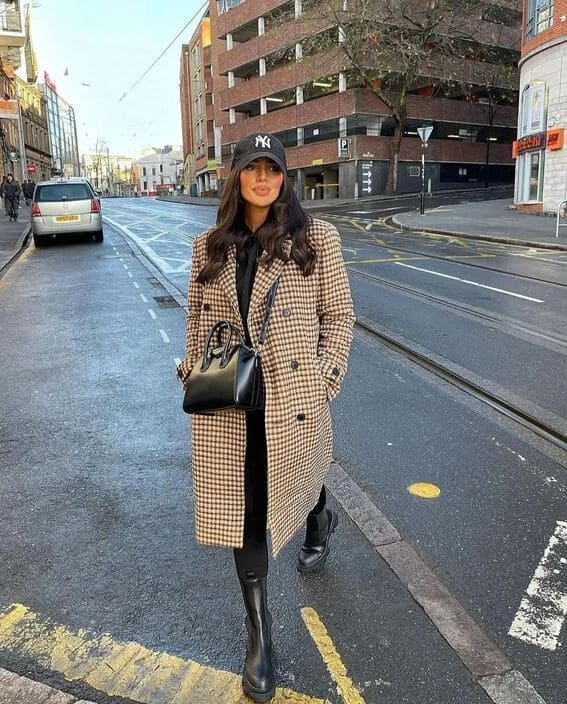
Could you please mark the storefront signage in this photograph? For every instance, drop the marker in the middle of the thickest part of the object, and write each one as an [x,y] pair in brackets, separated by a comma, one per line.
[212,164]
[555,138]
[318,162]
[48,82]
[31,168]
[525,144]
[8,109]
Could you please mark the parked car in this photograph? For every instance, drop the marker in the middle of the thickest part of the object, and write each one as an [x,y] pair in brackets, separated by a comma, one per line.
[65,206]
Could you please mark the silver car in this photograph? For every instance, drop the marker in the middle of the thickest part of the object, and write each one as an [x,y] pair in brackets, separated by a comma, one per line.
[63,207]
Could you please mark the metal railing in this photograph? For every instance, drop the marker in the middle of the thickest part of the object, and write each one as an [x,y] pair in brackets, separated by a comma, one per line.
[562,206]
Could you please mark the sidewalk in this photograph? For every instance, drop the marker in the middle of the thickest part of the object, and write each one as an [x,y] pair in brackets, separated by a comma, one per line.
[487,220]
[21,690]
[12,239]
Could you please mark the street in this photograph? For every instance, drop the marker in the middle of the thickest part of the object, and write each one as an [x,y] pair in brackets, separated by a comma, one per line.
[456,379]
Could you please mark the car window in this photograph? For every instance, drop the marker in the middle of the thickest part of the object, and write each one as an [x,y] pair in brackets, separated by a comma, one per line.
[56,192]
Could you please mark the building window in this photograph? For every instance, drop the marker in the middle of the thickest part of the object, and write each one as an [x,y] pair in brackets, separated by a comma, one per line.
[161,168]
[153,170]
[533,109]
[145,186]
[224,5]
[195,58]
[539,16]
[144,171]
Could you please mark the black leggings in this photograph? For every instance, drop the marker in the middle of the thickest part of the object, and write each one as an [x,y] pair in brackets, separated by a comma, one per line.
[252,558]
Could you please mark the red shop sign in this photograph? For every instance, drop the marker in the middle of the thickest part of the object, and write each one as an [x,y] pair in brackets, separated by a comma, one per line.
[533,141]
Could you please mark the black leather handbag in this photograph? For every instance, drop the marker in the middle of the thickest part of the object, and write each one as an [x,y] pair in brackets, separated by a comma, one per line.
[230,374]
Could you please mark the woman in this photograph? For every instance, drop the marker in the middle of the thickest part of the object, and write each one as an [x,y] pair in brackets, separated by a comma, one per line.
[254,471]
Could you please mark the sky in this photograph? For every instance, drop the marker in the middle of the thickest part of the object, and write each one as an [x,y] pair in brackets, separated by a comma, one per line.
[108,45]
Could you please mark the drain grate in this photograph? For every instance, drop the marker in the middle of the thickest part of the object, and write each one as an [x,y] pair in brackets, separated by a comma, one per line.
[166,302]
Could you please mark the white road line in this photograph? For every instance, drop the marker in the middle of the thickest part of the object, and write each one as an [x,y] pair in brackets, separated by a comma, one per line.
[543,609]
[152,314]
[135,284]
[125,266]
[535,257]
[471,283]
[164,336]
[130,274]
[120,259]
[177,361]
[143,298]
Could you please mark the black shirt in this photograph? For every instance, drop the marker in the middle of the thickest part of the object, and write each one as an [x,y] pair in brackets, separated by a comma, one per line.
[246,264]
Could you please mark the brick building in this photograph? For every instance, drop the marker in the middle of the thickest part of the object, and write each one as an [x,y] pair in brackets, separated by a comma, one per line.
[196,93]
[33,106]
[262,82]
[541,156]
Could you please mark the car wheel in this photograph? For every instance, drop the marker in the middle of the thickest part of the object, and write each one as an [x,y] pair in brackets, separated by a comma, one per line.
[39,240]
[99,236]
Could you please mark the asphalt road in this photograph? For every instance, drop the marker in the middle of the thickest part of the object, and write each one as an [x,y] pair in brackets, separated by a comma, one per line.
[96,499]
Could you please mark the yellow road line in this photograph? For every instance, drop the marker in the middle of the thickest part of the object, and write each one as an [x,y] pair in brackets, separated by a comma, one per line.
[355,223]
[330,656]
[127,670]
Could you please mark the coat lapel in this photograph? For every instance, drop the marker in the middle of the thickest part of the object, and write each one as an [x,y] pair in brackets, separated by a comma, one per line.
[227,279]
[265,277]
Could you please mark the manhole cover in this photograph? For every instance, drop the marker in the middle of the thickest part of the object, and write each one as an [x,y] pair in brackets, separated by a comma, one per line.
[166,301]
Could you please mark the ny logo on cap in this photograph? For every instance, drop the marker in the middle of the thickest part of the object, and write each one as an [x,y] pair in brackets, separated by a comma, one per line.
[263,141]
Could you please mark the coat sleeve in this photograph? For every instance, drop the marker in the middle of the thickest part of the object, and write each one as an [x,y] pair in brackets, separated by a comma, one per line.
[194,302]
[335,311]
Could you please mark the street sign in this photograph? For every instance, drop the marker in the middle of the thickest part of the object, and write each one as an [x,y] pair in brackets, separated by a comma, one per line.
[344,147]
[425,132]
[32,168]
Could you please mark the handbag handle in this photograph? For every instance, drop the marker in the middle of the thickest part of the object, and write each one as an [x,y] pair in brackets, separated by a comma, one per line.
[208,352]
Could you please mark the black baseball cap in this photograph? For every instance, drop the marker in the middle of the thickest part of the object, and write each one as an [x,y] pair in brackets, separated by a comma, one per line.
[256,146]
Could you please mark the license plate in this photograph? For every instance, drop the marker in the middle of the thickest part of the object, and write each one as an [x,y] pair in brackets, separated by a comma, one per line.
[67,218]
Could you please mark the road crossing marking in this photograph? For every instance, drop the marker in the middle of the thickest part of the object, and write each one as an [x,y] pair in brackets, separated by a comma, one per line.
[143,298]
[164,336]
[471,283]
[130,274]
[543,609]
[152,314]
[330,656]
[124,669]
[135,284]
[125,266]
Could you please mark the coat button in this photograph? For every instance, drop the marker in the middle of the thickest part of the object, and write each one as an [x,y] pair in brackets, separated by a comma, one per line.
[294,364]
[206,307]
[301,416]
[336,371]
[286,312]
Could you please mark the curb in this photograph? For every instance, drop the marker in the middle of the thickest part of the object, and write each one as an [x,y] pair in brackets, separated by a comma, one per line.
[21,690]
[486,238]
[20,244]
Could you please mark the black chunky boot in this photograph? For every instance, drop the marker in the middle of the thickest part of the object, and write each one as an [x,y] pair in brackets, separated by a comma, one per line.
[258,679]
[315,549]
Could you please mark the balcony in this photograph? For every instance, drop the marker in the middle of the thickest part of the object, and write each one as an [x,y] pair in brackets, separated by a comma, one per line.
[245,14]
[11,38]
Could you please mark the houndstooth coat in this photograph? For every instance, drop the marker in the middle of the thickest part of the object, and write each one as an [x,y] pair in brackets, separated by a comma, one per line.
[303,361]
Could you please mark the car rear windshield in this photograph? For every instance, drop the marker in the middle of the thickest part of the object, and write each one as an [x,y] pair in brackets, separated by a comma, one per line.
[54,193]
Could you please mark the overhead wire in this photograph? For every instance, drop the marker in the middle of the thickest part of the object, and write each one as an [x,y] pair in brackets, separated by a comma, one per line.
[201,9]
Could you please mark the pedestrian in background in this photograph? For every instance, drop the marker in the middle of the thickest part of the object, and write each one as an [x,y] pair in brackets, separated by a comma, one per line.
[12,197]
[2,195]
[28,187]
[259,470]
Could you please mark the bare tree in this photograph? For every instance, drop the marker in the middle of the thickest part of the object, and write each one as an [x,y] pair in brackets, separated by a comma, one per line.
[396,47]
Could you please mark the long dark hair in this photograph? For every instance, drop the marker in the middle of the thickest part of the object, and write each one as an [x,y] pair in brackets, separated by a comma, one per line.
[285,219]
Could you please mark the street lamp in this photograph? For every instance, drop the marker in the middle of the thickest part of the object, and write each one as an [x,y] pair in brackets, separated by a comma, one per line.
[424,134]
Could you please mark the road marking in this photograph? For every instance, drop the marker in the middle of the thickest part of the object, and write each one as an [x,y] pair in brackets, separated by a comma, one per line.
[152,314]
[393,258]
[135,284]
[143,298]
[543,609]
[424,490]
[164,336]
[177,361]
[540,259]
[120,259]
[330,656]
[130,274]
[471,283]
[124,669]
[125,266]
